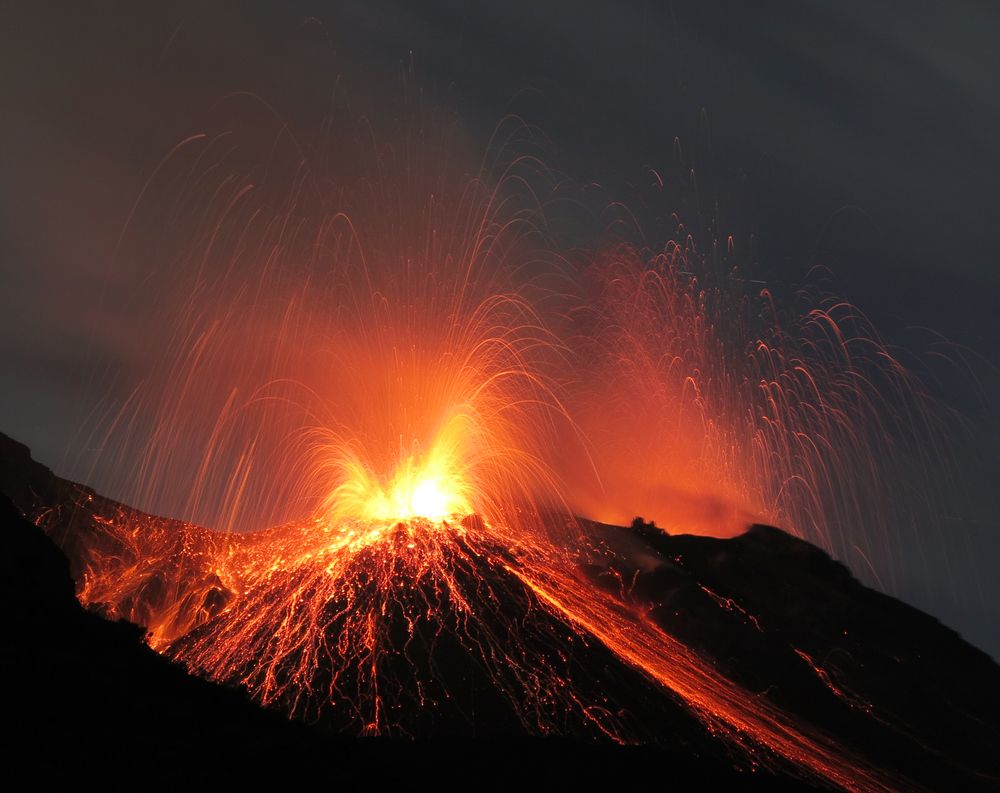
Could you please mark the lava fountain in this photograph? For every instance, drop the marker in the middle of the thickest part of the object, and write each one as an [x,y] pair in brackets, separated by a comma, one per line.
[389,356]
[707,407]
[371,391]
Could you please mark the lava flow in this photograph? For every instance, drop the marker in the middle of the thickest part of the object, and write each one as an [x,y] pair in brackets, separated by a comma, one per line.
[368,625]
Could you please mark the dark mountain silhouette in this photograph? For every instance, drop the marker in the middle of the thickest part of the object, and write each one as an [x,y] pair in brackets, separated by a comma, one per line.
[781,617]
[90,700]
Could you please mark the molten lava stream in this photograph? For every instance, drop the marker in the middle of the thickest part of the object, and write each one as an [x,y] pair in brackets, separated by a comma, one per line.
[723,706]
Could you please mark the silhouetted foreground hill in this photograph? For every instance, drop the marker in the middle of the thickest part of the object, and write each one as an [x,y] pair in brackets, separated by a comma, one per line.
[91,702]
[782,618]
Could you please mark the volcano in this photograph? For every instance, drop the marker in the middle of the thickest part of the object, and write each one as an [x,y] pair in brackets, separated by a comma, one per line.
[200,655]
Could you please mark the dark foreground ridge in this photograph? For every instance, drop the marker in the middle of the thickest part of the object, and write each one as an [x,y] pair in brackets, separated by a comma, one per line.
[91,704]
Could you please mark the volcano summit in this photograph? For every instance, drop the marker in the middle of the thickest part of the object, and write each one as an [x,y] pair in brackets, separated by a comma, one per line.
[755,658]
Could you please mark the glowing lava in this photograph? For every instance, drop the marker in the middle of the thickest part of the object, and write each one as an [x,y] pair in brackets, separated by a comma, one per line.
[432,490]
[400,363]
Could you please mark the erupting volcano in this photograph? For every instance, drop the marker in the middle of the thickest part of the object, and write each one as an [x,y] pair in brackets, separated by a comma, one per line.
[397,424]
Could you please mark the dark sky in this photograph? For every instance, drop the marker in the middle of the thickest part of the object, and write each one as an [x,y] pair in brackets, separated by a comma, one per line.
[860,136]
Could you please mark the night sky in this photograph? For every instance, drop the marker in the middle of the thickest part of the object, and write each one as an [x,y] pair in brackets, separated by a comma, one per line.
[850,136]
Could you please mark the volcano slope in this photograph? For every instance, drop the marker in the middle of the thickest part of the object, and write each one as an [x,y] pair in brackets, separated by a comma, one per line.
[756,661]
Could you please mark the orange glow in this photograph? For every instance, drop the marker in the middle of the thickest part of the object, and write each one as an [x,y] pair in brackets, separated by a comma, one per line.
[433,490]
[394,406]
[707,408]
